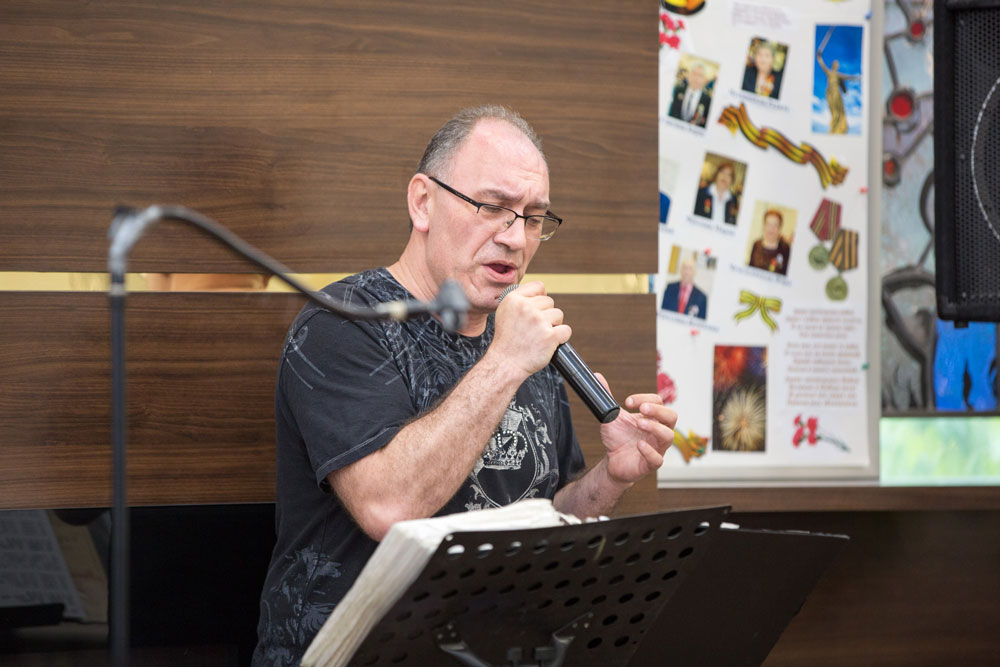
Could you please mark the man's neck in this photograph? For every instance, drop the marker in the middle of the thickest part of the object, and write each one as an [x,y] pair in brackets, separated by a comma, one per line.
[475,323]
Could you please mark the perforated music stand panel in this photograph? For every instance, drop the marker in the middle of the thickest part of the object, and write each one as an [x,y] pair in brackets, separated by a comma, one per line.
[504,594]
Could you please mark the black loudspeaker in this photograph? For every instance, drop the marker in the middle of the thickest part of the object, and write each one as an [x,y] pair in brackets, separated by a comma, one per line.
[967,158]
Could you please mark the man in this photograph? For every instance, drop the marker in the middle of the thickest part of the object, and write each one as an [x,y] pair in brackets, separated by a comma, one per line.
[683,297]
[379,422]
[716,200]
[690,101]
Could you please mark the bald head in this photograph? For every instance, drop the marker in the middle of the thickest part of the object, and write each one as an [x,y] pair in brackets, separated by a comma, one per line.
[437,157]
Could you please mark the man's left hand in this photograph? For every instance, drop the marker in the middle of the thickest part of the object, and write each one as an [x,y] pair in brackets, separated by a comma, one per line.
[636,441]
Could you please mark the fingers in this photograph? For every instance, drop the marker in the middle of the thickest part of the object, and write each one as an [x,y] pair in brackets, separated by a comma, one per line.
[652,456]
[659,432]
[531,288]
[659,413]
[651,406]
[562,333]
[638,399]
[529,327]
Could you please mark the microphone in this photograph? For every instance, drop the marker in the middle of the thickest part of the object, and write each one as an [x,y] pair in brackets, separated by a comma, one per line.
[578,375]
[450,306]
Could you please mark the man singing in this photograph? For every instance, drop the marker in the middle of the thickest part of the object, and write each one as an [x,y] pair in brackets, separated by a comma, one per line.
[378,422]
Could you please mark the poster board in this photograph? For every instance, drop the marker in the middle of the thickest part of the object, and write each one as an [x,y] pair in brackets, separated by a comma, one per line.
[764,286]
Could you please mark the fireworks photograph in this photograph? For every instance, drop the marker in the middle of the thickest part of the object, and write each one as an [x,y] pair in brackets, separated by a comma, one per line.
[739,399]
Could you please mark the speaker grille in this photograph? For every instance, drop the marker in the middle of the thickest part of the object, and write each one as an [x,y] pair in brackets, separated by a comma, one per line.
[976,155]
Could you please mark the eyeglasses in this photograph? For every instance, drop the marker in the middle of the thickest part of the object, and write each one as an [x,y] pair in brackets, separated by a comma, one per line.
[540,227]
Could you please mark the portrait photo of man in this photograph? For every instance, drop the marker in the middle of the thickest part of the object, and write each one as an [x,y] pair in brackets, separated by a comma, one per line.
[692,94]
[683,296]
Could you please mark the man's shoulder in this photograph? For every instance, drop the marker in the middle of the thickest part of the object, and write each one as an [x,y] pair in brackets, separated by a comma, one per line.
[366,288]
[370,286]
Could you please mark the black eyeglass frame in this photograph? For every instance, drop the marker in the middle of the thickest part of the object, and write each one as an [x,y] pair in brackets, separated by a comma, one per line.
[478,204]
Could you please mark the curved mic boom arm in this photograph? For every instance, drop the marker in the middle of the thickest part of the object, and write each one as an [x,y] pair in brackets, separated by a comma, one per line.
[127,227]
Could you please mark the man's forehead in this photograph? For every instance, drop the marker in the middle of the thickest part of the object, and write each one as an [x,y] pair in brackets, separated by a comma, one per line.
[498,160]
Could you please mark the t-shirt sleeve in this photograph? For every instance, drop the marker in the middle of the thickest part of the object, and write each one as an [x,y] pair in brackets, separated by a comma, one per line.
[342,390]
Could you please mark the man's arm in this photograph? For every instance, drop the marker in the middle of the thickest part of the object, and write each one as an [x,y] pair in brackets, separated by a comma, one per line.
[424,465]
[635,443]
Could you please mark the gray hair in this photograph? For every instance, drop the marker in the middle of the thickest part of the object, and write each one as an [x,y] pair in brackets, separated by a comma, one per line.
[447,140]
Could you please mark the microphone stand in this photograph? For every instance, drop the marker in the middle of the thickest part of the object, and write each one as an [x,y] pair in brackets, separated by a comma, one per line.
[127,227]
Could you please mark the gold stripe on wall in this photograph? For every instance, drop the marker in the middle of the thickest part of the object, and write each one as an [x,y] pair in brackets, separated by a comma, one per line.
[28,281]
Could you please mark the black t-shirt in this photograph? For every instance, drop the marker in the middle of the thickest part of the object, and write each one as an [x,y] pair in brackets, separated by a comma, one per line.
[344,389]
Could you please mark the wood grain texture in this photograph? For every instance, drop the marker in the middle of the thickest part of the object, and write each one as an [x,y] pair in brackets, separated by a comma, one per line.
[833,498]
[297,123]
[911,588]
[200,381]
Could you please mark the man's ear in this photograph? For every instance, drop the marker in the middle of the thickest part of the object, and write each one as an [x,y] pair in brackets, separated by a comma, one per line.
[418,200]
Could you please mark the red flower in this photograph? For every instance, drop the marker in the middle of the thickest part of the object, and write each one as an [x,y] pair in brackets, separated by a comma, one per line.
[799,434]
[673,41]
[668,23]
[666,388]
[680,24]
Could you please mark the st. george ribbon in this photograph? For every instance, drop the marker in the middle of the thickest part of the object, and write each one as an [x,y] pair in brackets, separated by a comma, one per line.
[579,376]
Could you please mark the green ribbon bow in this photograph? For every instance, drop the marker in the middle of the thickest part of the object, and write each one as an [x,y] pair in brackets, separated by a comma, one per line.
[765,304]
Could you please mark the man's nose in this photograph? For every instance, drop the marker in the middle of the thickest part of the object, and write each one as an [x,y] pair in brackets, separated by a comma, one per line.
[515,236]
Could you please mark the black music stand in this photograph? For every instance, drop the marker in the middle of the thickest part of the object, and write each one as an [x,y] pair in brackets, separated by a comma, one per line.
[734,607]
[574,595]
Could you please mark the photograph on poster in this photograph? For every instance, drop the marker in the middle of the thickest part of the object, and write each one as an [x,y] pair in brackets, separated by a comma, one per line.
[669,169]
[739,399]
[765,67]
[837,85]
[694,85]
[719,188]
[690,275]
[774,192]
[772,232]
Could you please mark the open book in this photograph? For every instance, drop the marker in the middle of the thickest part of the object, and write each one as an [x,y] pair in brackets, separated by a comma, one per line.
[399,560]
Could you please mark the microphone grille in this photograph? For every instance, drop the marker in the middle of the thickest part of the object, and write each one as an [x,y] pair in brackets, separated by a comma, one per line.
[507,290]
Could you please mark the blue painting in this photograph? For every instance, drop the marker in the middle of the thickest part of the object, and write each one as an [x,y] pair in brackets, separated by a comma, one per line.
[837,84]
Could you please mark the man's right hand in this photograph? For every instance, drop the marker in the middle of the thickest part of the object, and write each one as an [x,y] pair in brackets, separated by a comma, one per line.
[528,329]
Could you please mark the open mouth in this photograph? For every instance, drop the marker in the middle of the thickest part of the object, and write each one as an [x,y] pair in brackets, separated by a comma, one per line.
[501,270]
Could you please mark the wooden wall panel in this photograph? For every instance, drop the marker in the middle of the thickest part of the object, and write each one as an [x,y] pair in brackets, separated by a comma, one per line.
[200,378]
[911,588]
[297,123]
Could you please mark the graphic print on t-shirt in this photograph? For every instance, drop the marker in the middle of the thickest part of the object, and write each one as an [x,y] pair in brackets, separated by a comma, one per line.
[518,444]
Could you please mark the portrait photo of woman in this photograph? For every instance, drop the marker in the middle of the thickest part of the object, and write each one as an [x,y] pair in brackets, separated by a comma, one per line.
[718,196]
[771,251]
[765,66]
